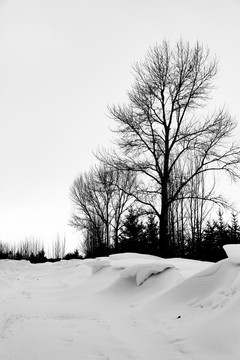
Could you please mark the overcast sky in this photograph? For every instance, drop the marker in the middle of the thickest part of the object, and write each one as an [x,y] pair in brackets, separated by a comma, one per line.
[61,63]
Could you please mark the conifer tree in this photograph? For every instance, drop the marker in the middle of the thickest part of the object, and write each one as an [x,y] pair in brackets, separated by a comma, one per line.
[132,234]
[152,235]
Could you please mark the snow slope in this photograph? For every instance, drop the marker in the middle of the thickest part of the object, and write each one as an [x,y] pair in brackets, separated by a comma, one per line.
[125,306]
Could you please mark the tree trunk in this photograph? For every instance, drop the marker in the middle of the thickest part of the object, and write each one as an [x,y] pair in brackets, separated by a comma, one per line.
[164,224]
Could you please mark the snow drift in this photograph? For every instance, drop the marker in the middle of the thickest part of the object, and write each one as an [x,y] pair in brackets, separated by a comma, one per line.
[125,306]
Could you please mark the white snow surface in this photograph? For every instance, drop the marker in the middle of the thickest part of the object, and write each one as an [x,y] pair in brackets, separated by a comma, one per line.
[233,253]
[121,307]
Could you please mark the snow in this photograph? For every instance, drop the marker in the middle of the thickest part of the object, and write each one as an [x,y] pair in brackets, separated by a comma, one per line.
[121,307]
[143,271]
[233,253]
[97,264]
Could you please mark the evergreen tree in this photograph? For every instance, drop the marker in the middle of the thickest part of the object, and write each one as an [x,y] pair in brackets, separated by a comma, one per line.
[132,234]
[152,235]
[216,235]
[234,230]
[209,244]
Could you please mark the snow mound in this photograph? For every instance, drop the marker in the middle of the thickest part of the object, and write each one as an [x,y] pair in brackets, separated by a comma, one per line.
[209,289]
[132,256]
[188,267]
[125,260]
[132,265]
[143,271]
[97,264]
[139,266]
[233,253]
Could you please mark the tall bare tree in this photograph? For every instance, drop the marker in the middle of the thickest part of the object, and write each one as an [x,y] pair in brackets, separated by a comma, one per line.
[162,128]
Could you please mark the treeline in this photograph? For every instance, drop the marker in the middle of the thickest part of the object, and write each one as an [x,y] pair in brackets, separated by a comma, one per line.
[143,237]
[110,225]
[33,250]
[162,175]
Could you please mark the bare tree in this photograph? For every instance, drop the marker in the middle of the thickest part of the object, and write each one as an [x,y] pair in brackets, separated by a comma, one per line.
[99,203]
[199,203]
[92,244]
[59,247]
[124,186]
[162,128]
[188,214]
[84,213]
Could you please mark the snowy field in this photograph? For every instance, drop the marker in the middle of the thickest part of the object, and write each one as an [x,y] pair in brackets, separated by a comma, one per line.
[123,307]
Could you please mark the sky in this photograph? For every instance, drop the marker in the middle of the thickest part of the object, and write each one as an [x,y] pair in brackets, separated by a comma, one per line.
[62,62]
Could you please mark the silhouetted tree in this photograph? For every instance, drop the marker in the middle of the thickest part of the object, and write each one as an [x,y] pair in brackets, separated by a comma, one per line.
[58,247]
[161,128]
[132,236]
[151,235]
[234,230]
[99,204]
[73,255]
[38,257]
[216,234]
